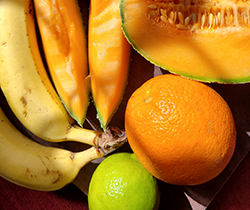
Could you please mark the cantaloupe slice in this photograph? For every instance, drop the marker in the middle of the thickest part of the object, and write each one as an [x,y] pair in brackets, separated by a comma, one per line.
[204,40]
[109,58]
[65,46]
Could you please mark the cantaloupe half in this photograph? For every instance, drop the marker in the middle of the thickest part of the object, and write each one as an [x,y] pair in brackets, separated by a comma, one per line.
[204,40]
[65,47]
[109,58]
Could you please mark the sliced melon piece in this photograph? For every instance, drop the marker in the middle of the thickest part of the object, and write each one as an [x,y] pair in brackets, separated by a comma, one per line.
[204,40]
[109,58]
[65,46]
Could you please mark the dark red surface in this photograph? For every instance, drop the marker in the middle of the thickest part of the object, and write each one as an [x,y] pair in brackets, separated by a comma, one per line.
[235,195]
[236,192]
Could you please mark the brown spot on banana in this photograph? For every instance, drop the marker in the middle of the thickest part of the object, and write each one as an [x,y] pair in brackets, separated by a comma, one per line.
[28,172]
[72,156]
[24,101]
[60,175]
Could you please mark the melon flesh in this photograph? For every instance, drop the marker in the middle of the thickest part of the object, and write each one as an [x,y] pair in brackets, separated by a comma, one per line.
[108,58]
[65,46]
[204,40]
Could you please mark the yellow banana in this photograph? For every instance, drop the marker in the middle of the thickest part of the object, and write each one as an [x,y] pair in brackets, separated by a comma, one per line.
[24,80]
[32,165]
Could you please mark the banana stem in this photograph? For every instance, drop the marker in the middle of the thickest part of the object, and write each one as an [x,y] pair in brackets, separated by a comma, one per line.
[112,139]
[84,157]
[86,136]
[106,143]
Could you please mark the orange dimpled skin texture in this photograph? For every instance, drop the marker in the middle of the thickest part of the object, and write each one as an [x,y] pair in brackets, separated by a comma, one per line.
[182,131]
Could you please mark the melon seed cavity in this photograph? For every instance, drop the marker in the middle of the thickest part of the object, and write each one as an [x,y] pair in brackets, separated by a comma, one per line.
[199,14]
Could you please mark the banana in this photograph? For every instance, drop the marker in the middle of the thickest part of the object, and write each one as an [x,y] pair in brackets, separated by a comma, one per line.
[35,166]
[25,82]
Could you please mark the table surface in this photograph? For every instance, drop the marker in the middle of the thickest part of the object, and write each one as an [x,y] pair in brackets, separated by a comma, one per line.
[235,195]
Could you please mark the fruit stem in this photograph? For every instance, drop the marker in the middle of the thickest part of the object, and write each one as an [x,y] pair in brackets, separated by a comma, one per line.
[112,139]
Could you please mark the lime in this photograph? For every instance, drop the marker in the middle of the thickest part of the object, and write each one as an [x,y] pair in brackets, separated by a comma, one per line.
[121,182]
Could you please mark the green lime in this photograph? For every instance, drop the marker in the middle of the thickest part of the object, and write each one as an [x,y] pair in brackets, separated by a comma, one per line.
[121,182]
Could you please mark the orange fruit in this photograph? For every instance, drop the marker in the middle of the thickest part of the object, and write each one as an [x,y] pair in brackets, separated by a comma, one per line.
[182,131]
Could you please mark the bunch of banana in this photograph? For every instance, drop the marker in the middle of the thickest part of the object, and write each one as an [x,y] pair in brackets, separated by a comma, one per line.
[34,101]
[32,165]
